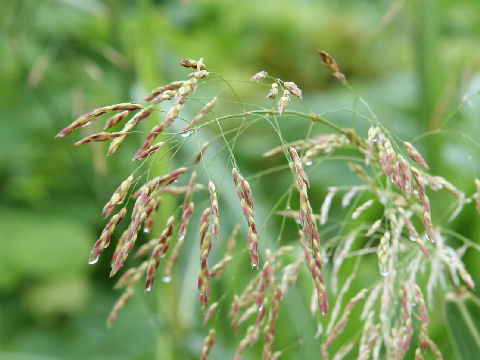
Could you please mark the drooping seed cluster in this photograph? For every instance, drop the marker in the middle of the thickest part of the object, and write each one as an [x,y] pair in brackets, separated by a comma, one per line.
[309,237]
[389,322]
[246,201]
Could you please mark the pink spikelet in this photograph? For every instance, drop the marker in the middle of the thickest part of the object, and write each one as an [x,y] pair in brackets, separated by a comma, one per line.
[259,76]
[102,136]
[104,240]
[283,102]
[415,155]
[293,88]
[115,119]
[87,118]
[246,200]
[158,253]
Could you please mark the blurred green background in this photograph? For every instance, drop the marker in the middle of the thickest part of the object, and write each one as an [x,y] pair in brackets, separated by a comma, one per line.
[413,62]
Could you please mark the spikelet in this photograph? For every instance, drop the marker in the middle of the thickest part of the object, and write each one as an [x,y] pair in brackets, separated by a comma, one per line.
[214,208]
[208,344]
[115,119]
[273,91]
[359,211]
[331,64]
[415,155]
[149,151]
[162,89]
[87,118]
[383,253]
[118,196]
[293,88]
[259,76]
[283,102]
[104,240]
[204,276]
[102,136]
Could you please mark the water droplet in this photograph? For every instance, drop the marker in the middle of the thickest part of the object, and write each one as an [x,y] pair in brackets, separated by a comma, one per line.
[384,272]
[254,265]
[94,260]
[166,279]
[308,163]
[181,238]
[176,180]
[186,134]
[162,255]
[260,308]
[146,230]
[297,220]
[149,287]
[288,207]
[413,238]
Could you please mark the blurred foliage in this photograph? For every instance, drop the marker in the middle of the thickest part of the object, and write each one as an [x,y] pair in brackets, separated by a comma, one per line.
[412,60]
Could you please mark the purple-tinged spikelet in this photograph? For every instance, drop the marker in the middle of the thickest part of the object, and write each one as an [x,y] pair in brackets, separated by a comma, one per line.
[115,119]
[415,155]
[87,118]
[208,344]
[104,240]
[159,252]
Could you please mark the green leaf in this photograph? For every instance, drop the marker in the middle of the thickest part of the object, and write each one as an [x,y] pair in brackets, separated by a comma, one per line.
[463,318]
